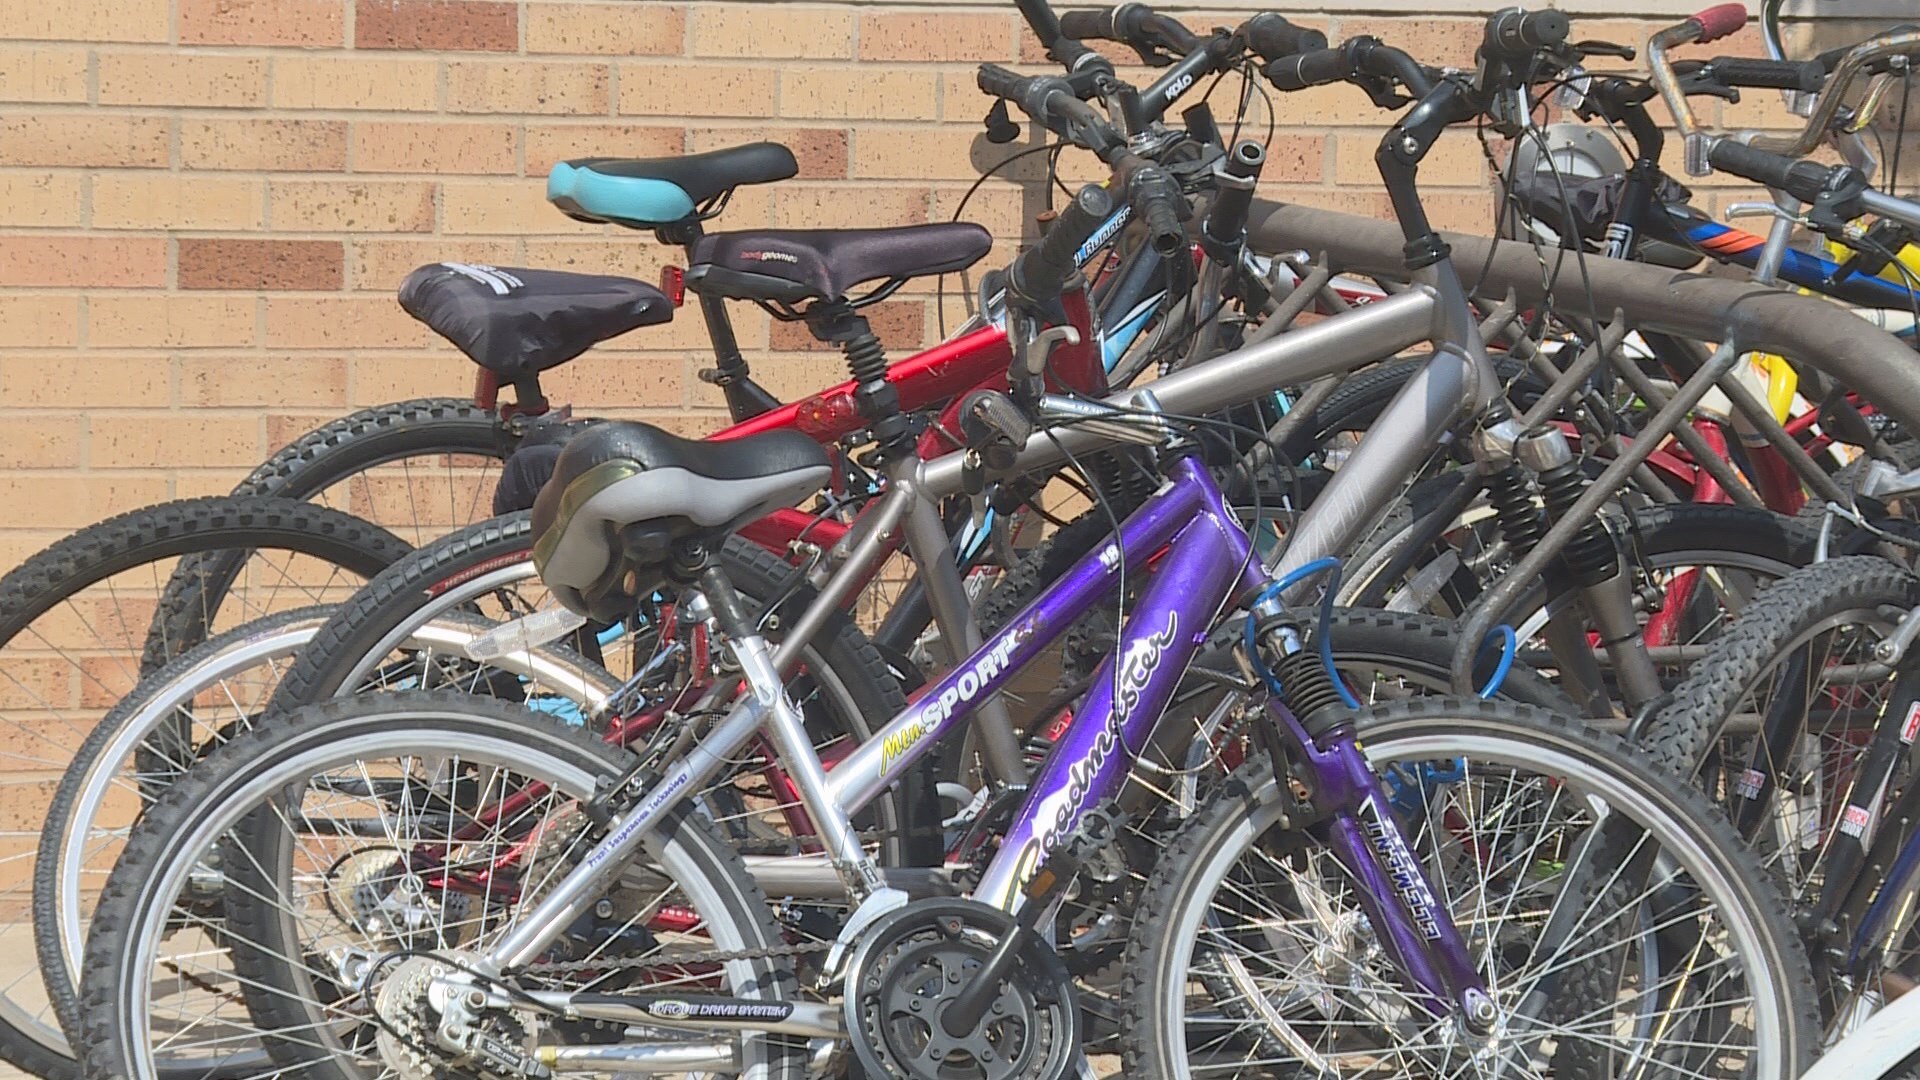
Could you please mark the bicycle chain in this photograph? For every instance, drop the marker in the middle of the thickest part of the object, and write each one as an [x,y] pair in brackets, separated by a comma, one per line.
[714,956]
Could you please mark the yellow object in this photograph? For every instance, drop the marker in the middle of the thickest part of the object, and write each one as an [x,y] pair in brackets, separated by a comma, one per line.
[1782,383]
[1909,257]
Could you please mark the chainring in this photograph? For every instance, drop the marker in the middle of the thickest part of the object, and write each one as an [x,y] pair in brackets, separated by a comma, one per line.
[911,965]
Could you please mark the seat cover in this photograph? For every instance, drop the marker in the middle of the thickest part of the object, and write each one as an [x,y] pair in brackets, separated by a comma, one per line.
[622,492]
[791,265]
[517,322]
[648,192]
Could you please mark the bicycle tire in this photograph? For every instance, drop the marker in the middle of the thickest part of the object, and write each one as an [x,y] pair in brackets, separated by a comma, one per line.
[333,454]
[1678,736]
[52,931]
[95,554]
[1774,958]
[384,608]
[212,801]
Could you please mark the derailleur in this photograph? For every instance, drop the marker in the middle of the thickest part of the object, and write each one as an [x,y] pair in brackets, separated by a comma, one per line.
[438,1025]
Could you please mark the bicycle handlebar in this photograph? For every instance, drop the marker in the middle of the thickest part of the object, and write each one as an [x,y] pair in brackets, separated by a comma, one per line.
[1514,34]
[1804,180]
[1807,77]
[1272,36]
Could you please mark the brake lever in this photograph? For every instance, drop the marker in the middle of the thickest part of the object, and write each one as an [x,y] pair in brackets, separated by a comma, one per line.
[1381,90]
[1701,83]
[1604,48]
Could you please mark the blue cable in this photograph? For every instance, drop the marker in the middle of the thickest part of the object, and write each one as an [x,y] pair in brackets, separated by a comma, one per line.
[1331,567]
[1509,646]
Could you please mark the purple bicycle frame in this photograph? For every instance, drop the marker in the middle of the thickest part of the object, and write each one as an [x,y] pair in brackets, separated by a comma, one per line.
[1203,561]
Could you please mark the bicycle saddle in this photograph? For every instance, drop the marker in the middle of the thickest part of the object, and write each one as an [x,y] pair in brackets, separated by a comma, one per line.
[622,493]
[517,323]
[644,193]
[794,265]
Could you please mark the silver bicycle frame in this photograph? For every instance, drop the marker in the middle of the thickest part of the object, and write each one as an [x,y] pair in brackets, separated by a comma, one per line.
[1424,413]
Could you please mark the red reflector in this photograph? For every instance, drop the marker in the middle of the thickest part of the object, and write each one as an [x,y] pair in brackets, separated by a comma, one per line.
[673,282]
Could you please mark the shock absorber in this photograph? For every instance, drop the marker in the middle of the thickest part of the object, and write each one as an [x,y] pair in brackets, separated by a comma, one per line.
[876,398]
[1590,557]
[1306,686]
[1511,494]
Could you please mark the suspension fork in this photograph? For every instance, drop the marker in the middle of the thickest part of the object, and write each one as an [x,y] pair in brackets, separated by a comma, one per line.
[1367,838]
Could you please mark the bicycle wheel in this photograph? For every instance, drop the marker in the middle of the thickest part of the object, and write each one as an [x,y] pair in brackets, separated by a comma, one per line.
[171,720]
[1797,685]
[81,621]
[362,843]
[842,685]
[1251,956]
[1696,567]
[417,467]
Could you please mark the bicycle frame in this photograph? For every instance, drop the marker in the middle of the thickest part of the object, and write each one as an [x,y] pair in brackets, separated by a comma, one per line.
[1205,562]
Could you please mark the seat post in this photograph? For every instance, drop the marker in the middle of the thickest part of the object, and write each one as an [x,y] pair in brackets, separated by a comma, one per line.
[837,323]
[745,398]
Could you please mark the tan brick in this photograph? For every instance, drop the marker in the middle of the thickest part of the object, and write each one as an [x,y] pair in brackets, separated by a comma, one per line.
[603,378]
[174,322]
[846,206]
[790,378]
[378,379]
[315,24]
[821,152]
[43,199]
[434,148]
[856,93]
[1455,160]
[40,442]
[278,381]
[341,322]
[381,264]
[176,440]
[901,326]
[352,206]
[950,152]
[176,201]
[951,36]
[1001,209]
[438,25]
[85,140]
[489,86]
[341,82]
[92,381]
[617,29]
[491,208]
[43,73]
[777,31]
[171,79]
[39,320]
[83,261]
[550,143]
[656,89]
[625,254]
[1448,42]
[264,145]
[85,20]
[261,264]
[73,500]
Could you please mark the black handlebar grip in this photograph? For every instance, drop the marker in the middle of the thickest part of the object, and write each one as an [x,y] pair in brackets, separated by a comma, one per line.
[1316,68]
[1514,34]
[1227,220]
[1040,273]
[1804,180]
[1095,24]
[1000,82]
[1808,76]
[1273,37]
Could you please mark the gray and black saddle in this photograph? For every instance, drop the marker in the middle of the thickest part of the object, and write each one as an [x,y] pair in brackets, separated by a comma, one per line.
[623,494]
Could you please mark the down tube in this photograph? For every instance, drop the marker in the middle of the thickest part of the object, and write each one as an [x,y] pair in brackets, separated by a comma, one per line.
[883,758]
[1130,691]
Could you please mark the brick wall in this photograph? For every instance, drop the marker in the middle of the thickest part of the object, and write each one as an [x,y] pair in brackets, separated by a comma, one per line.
[205,205]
